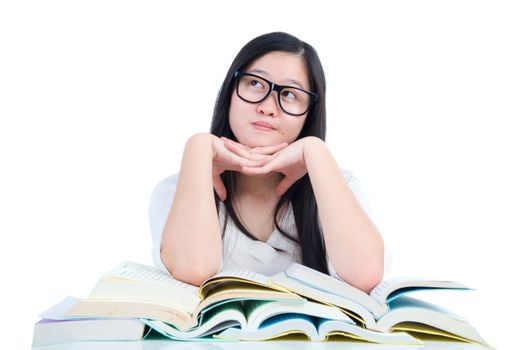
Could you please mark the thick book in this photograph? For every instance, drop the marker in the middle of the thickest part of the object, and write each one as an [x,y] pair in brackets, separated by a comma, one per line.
[225,306]
[48,332]
[54,328]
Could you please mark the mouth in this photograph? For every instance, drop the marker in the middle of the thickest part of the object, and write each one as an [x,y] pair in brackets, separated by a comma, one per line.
[263,126]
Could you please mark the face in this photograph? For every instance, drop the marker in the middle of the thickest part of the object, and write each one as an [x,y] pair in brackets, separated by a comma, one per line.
[280,68]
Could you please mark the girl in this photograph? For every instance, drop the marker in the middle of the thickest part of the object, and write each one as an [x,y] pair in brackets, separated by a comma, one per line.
[262,190]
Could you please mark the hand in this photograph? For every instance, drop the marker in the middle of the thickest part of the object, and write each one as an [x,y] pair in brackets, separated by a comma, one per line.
[288,161]
[225,159]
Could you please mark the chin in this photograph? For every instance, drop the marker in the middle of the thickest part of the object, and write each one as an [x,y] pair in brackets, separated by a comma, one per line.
[258,141]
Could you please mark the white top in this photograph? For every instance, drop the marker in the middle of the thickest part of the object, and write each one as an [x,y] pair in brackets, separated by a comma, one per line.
[238,249]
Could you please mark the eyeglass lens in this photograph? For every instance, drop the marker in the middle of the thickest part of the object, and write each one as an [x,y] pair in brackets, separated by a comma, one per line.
[254,89]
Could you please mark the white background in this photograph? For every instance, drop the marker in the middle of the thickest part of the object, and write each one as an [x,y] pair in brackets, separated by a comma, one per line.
[426,106]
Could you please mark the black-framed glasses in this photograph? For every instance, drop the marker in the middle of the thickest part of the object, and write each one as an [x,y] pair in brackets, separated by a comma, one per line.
[292,100]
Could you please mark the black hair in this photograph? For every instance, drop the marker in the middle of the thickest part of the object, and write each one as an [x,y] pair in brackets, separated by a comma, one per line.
[300,194]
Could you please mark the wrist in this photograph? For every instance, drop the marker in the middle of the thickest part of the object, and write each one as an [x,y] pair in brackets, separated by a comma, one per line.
[313,148]
[199,148]
[200,141]
[312,143]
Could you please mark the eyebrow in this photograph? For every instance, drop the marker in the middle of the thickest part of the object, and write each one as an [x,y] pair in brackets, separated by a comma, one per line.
[291,81]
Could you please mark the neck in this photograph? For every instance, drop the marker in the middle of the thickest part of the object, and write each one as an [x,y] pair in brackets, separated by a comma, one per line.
[262,186]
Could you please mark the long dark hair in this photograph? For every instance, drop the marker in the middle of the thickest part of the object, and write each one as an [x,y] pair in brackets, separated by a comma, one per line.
[301,193]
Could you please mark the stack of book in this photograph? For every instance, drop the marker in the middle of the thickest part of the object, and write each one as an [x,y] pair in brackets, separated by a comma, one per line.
[132,299]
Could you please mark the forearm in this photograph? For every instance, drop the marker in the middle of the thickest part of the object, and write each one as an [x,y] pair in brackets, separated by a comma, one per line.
[191,245]
[353,242]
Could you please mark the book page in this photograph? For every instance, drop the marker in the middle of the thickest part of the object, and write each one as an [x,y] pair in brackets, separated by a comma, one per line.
[235,278]
[383,289]
[145,273]
[379,292]
[392,288]
[328,284]
[246,275]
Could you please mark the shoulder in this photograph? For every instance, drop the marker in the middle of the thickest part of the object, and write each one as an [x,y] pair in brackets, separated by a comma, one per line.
[357,188]
[167,182]
[348,175]
[163,192]
[351,179]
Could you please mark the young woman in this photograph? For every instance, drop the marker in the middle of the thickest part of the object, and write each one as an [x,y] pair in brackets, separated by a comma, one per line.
[262,190]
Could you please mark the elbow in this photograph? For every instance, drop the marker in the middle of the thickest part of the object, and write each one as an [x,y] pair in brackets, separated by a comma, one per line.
[195,275]
[371,280]
[367,279]
[191,272]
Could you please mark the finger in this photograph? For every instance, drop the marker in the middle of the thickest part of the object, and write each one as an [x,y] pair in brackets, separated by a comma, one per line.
[259,149]
[244,162]
[257,170]
[264,150]
[227,140]
[219,187]
[270,149]
[244,153]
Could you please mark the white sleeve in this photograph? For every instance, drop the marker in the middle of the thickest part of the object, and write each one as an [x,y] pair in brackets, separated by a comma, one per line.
[158,210]
[361,196]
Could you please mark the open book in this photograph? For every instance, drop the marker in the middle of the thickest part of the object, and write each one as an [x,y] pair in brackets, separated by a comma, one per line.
[141,291]
[246,305]
[387,308]
[264,320]
[236,298]
[315,328]
[378,301]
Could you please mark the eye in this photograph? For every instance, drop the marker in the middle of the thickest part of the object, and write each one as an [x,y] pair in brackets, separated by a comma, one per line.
[288,94]
[256,84]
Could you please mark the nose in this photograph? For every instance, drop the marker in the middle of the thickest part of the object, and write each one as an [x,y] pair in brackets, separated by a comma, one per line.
[269,106]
